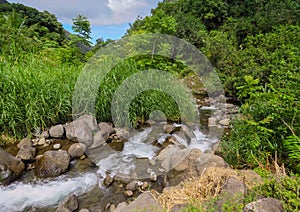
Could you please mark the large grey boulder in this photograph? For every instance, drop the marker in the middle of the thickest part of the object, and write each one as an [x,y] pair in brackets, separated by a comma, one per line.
[144,202]
[106,129]
[90,120]
[52,164]
[10,167]
[264,205]
[26,153]
[24,142]
[79,131]
[57,131]
[233,191]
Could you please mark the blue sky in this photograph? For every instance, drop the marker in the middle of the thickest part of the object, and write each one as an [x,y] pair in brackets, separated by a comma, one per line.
[108,18]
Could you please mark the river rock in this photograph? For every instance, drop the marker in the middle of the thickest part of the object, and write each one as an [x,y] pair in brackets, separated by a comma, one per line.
[251,177]
[187,131]
[169,128]
[24,142]
[171,156]
[145,186]
[233,191]
[122,134]
[128,193]
[26,153]
[192,166]
[264,205]
[122,178]
[132,186]
[121,206]
[79,131]
[52,164]
[76,150]
[212,122]
[56,146]
[153,177]
[106,129]
[70,203]
[144,202]
[57,131]
[45,134]
[108,180]
[84,210]
[41,141]
[225,122]
[229,106]
[10,167]
[90,120]
[98,140]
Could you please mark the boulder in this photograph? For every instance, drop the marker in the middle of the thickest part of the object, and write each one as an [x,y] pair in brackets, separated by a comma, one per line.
[106,129]
[121,206]
[264,205]
[233,191]
[251,178]
[122,134]
[192,166]
[79,131]
[10,167]
[98,140]
[70,203]
[52,164]
[144,202]
[171,157]
[122,178]
[90,120]
[169,128]
[26,153]
[24,142]
[57,131]
[76,150]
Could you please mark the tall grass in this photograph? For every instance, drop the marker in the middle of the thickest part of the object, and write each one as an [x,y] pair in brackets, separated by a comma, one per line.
[34,93]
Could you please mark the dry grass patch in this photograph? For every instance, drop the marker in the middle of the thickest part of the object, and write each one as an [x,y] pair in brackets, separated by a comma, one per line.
[207,186]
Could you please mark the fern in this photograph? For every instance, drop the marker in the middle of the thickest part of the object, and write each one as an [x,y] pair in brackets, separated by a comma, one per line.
[292,145]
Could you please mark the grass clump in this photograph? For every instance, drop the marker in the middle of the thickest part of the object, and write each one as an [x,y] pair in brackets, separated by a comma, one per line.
[34,93]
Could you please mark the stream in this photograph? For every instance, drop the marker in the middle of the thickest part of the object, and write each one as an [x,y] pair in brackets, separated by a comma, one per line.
[133,158]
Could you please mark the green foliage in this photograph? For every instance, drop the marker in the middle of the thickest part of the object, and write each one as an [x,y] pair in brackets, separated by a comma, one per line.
[44,24]
[83,29]
[158,22]
[284,188]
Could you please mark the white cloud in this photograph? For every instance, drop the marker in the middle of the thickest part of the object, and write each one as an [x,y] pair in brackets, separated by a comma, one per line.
[99,12]
[120,6]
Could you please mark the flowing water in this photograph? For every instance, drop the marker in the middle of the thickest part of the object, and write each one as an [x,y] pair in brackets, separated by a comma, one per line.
[30,191]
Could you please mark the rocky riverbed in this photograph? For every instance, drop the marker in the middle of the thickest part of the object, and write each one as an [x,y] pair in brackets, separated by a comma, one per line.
[88,166]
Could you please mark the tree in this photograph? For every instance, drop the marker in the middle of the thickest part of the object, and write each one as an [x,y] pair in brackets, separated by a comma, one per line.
[83,29]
